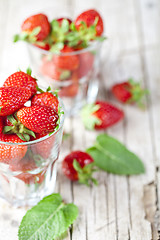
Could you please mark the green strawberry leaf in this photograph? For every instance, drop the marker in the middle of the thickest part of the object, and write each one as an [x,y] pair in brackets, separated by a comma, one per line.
[18,128]
[65,25]
[56,47]
[137,92]
[65,75]
[48,220]
[16,38]
[112,156]
[35,31]
[85,173]
[29,71]
[89,120]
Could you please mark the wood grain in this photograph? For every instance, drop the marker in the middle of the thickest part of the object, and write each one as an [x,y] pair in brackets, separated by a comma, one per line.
[119,208]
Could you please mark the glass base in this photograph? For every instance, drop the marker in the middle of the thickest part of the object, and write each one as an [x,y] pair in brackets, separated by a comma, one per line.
[20,194]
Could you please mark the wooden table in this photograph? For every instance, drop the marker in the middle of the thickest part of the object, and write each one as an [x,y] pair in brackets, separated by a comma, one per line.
[120,208]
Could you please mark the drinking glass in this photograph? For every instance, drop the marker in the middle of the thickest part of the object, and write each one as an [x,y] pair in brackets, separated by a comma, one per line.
[74,74]
[30,172]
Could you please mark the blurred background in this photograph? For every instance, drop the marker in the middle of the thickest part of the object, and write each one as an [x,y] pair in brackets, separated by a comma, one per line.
[132,28]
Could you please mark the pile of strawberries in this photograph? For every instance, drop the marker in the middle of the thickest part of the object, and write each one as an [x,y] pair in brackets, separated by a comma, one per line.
[20,123]
[66,37]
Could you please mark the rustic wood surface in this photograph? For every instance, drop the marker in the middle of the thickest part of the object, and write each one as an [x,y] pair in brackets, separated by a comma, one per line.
[120,208]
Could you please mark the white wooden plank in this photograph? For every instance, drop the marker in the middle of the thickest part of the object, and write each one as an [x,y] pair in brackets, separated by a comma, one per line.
[10,219]
[81,193]
[148,18]
[104,210]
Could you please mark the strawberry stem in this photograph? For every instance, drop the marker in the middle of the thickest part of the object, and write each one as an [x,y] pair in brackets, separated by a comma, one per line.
[85,173]
[89,120]
[18,128]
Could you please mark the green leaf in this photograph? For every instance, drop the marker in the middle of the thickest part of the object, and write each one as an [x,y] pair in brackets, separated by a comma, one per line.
[23,36]
[16,38]
[21,137]
[72,26]
[112,156]
[39,90]
[137,93]
[29,71]
[55,25]
[89,120]
[7,129]
[48,220]
[65,75]
[85,173]
[65,25]
[57,47]
[26,136]
[35,31]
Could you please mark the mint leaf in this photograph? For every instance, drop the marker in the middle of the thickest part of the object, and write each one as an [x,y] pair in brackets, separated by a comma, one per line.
[112,156]
[48,220]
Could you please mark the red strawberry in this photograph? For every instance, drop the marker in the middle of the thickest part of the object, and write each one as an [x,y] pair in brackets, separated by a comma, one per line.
[78,166]
[129,92]
[43,148]
[89,17]
[22,79]
[12,98]
[38,20]
[1,124]
[69,91]
[25,164]
[69,61]
[9,153]
[86,63]
[29,178]
[46,99]
[72,89]
[61,19]
[39,119]
[100,115]
[13,126]
[49,69]
[44,46]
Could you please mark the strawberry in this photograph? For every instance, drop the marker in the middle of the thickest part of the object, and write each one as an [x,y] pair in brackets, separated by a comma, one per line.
[1,124]
[29,178]
[68,61]
[13,126]
[43,148]
[39,119]
[25,164]
[9,153]
[129,92]
[86,60]
[39,20]
[72,89]
[100,115]
[89,17]
[12,98]
[78,166]
[22,79]
[69,91]
[49,69]
[45,99]
[44,46]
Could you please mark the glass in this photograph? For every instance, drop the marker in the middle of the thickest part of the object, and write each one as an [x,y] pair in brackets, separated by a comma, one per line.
[74,74]
[30,172]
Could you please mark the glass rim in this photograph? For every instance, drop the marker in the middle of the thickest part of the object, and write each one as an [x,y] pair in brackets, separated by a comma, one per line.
[92,46]
[62,117]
